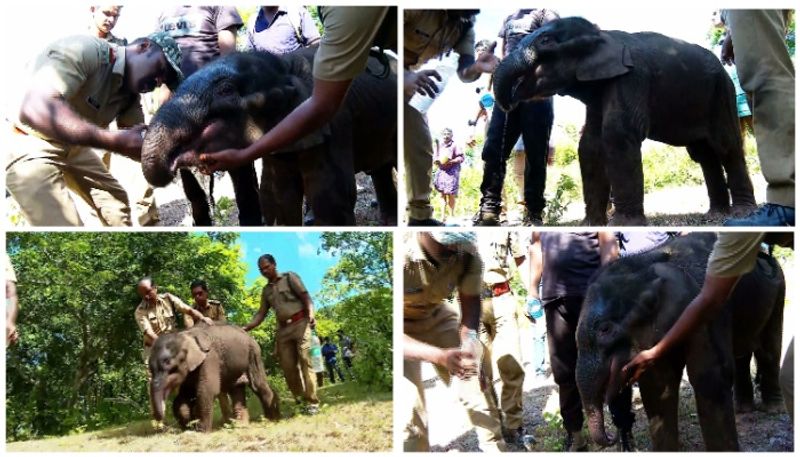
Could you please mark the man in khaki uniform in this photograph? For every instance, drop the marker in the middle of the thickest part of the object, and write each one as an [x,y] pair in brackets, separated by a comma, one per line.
[77,87]
[435,264]
[155,314]
[428,34]
[500,316]
[294,312]
[734,254]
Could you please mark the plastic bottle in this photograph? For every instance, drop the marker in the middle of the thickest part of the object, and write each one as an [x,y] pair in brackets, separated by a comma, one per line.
[446,68]
[316,353]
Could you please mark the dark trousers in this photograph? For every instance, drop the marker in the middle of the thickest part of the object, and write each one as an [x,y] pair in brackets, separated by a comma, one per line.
[562,323]
[331,366]
[534,121]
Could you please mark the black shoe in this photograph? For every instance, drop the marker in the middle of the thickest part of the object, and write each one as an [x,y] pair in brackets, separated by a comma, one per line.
[429,222]
[486,218]
[769,215]
[532,219]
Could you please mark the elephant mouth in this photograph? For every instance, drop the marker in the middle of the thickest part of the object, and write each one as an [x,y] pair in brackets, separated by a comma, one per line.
[530,88]
[210,140]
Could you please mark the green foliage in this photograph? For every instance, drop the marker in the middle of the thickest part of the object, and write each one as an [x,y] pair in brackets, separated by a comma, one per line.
[359,289]
[554,431]
[223,209]
[666,166]
[566,153]
[566,192]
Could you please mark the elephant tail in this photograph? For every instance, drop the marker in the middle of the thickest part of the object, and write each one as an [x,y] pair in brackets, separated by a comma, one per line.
[258,382]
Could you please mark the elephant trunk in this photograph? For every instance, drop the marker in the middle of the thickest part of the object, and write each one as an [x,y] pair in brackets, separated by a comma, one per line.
[510,69]
[168,136]
[592,378]
[158,394]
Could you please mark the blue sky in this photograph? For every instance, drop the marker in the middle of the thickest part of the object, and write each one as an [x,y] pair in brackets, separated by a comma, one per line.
[293,251]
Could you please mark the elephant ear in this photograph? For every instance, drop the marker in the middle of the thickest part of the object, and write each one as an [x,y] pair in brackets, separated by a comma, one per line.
[610,58]
[196,350]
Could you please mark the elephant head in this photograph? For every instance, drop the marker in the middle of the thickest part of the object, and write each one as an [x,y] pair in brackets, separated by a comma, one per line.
[227,104]
[628,307]
[556,57]
[173,357]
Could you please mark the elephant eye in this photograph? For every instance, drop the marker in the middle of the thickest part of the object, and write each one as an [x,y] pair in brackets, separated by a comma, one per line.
[604,328]
[226,89]
[545,39]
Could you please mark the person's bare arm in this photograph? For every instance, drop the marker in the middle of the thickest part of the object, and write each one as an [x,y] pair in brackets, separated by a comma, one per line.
[470,312]
[309,116]
[11,313]
[451,358]
[197,316]
[609,247]
[227,41]
[45,110]
[259,317]
[470,68]
[707,304]
[535,255]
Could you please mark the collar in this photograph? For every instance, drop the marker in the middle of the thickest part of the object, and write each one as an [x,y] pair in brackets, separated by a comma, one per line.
[261,21]
[118,63]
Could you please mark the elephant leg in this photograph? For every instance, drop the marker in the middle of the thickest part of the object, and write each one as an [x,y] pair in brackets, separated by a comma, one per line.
[245,187]
[716,186]
[258,382]
[265,193]
[622,158]
[330,183]
[768,357]
[208,388]
[225,407]
[386,193]
[239,399]
[182,410]
[660,394]
[596,188]
[743,385]
[287,189]
[201,213]
[710,365]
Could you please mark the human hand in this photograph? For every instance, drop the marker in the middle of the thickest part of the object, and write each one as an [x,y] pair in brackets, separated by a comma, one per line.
[458,362]
[726,54]
[312,322]
[208,320]
[636,367]
[226,159]
[486,62]
[12,336]
[129,142]
[421,82]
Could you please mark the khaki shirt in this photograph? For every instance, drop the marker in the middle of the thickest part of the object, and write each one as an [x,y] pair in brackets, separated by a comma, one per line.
[88,72]
[734,254]
[428,34]
[10,275]
[284,297]
[213,311]
[426,285]
[497,249]
[349,35]
[159,318]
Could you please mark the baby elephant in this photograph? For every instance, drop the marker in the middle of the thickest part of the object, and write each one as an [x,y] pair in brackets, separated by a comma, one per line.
[202,363]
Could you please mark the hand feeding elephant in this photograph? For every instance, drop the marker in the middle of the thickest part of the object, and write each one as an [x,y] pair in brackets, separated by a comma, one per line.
[634,86]
[231,102]
[203,362]
[633,302]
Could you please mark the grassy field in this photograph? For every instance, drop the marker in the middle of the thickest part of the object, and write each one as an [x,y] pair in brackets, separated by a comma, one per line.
[351,419]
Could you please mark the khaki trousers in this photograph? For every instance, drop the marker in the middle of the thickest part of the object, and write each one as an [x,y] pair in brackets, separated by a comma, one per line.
[442,330]
[766,72]
[40,174]
[145,209]
[294,342]
[500,318]
[418,159]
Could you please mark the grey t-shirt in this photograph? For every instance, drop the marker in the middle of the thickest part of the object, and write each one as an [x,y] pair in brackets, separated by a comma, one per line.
[196,30]
[522,23]
[569,260]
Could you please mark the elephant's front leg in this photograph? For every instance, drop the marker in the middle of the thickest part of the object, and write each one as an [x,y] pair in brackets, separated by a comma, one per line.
[383,179]
[622,156]
[287,189]
[743,386]
[208,387]
[330,184]
[245,187]
[198,201]
[182,407]
[659,388]
[593,173]
[710,366]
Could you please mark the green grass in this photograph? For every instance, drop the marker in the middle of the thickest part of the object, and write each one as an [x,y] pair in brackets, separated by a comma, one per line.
[352,418]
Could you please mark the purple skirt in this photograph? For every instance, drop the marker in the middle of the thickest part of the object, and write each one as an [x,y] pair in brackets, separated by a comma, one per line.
[446,181]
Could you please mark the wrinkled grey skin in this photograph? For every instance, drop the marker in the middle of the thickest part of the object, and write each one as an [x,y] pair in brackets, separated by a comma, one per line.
[203,362]
[231,102]
[633,302]
[635,86]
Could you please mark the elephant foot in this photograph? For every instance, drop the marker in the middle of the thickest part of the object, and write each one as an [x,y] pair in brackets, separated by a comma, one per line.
[742,210]
[717,212]
[620,220]
[596,221]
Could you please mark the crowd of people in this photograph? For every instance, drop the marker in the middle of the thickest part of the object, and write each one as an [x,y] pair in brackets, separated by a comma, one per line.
[555,270]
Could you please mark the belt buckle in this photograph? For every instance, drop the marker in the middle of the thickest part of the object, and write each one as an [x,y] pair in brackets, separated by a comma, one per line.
[288,321]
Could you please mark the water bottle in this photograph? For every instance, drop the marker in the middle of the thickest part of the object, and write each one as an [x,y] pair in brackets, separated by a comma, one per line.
[446,68]
[316,353]
[471,345]
[535,308]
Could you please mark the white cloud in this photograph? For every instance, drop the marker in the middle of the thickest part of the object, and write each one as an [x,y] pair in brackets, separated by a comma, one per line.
[306,249]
